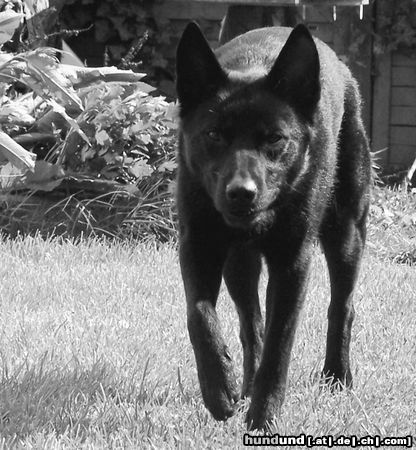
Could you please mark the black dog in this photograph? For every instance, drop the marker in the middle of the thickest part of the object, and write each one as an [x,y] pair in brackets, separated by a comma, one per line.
[272,155]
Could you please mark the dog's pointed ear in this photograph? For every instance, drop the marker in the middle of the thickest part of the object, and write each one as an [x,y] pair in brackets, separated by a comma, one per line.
[295,73]
[198,72]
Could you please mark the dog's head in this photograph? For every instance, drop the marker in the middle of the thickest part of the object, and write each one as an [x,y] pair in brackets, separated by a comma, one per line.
[245,134]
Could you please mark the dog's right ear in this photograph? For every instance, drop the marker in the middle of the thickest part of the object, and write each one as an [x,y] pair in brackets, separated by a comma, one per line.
[198,72]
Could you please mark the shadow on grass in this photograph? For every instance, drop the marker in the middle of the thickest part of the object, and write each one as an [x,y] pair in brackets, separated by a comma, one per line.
[69,401]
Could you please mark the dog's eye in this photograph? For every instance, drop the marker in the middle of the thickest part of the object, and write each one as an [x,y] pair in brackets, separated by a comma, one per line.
[214,134]
[273,137]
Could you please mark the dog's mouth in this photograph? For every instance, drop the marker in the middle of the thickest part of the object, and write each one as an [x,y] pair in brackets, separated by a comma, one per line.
[241,218]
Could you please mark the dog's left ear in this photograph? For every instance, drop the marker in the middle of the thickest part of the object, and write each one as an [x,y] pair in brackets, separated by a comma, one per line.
[295,75]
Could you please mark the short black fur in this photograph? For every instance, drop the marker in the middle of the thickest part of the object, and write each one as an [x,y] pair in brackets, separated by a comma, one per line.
[272,156]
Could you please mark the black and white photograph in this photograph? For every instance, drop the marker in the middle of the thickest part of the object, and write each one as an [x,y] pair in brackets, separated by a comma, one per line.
[207,224]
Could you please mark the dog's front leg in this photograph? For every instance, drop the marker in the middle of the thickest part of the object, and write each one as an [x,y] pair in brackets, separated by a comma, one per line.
[285,294]
[201,264]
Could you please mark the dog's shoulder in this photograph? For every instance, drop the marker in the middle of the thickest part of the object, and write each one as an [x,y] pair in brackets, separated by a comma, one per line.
[256,48]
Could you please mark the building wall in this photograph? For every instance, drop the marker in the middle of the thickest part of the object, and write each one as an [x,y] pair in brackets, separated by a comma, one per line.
[402,122]
[394,110]
[179,13]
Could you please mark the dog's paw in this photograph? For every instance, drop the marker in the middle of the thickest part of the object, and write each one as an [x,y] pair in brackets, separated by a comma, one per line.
[222,401]
[219,387]
[337,380]
[259,416]
[262,411]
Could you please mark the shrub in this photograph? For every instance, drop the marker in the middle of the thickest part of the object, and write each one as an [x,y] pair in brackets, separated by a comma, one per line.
[97,133]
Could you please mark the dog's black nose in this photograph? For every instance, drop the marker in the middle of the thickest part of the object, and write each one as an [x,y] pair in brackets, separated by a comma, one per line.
[241,191]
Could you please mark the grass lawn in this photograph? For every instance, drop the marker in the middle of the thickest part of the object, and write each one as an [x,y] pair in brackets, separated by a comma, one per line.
[94,352]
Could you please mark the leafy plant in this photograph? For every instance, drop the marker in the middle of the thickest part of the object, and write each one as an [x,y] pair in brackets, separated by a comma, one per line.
[397,27]
[392,224]
[97,132]
[394,207]
[96,126]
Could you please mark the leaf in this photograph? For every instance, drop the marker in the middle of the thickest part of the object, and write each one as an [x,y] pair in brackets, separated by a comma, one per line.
[144,87]
[113,91]
[140,169]
[4,59]
[72,122]
[15,114]
[102,137]
[87,153]
[169,166]
[9,21]
[12,151]
[92,96]
[10,176]
[44,66]
[102,151]
[33,7]
[83,76]
[137,127]
[145,138]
